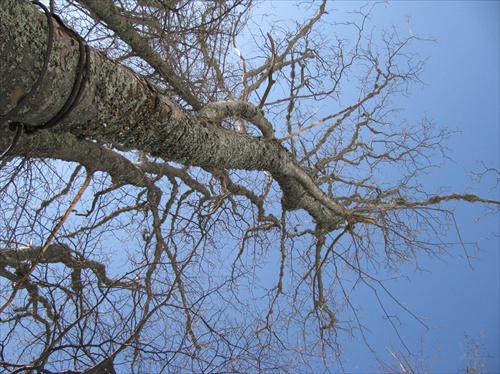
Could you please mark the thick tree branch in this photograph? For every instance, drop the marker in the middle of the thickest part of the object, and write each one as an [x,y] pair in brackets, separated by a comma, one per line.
[121,107]
[106,11]
[67,147]
[57,253]
[216,112]
[164,262]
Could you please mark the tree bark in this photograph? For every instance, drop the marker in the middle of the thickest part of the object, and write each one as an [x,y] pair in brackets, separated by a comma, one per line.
[120,106]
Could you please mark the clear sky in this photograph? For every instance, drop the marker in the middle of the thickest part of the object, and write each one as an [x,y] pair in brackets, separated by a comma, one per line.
[462,91]
[454,296]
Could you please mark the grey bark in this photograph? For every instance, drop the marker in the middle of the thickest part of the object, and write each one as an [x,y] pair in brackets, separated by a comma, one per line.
[119,106]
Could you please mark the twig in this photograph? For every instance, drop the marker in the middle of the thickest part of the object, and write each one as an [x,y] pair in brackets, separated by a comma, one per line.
[49,240]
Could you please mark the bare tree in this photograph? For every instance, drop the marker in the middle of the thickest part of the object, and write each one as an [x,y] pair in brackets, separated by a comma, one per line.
[184,191]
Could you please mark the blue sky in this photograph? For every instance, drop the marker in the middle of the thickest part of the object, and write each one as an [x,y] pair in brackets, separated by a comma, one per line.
[462,91]
[456,296]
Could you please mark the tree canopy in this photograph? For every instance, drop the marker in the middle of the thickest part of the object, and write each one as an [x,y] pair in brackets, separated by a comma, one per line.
[184,186]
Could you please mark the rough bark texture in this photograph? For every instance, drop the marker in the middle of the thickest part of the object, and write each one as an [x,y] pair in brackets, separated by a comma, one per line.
[119,106]
[124,258]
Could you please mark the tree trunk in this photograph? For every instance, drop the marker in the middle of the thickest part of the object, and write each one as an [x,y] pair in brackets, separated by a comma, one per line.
[119,106]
